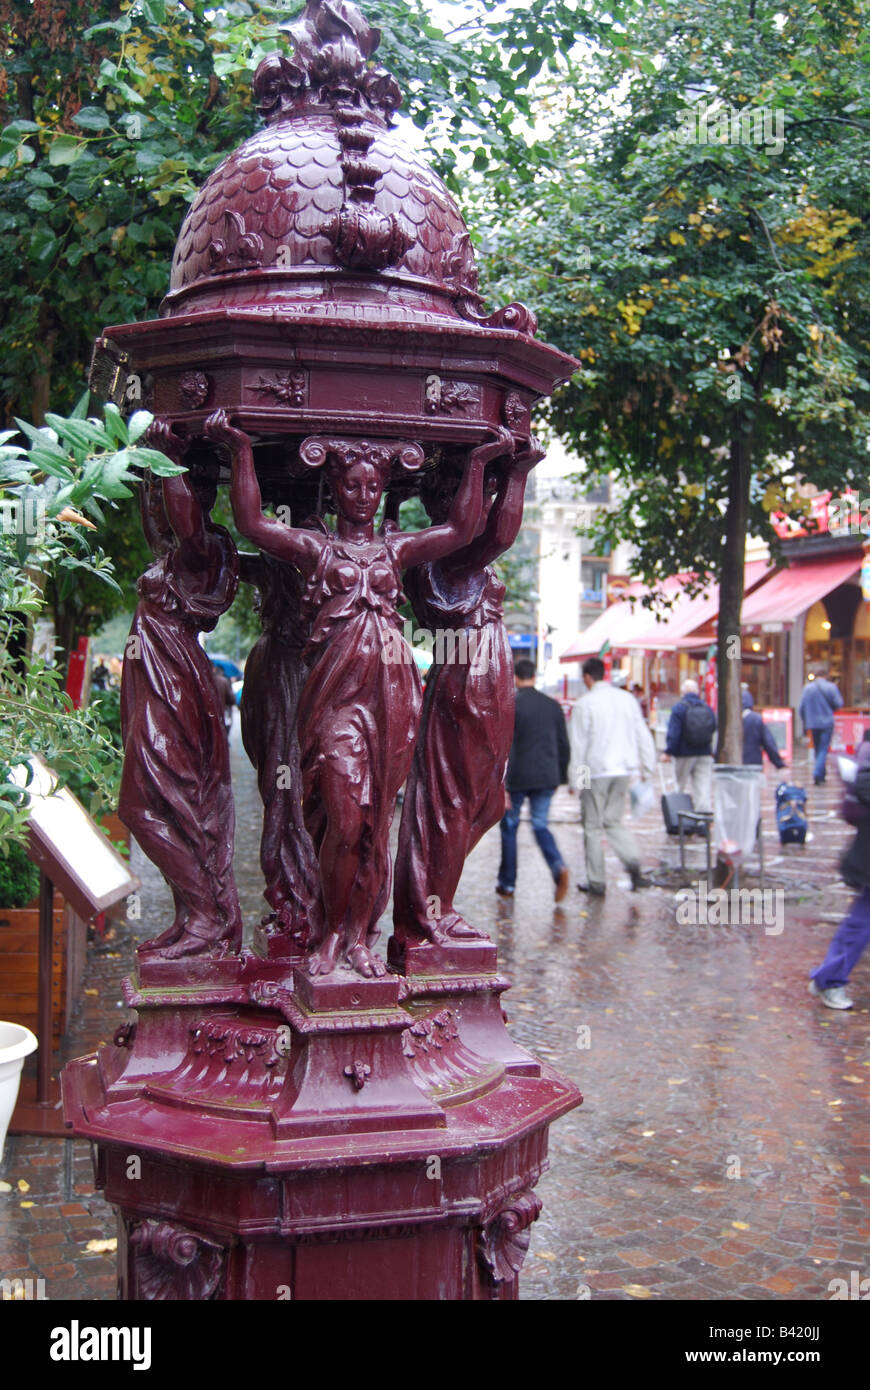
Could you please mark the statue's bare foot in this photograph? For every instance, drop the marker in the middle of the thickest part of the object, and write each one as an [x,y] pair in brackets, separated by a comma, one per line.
[166,938]
[453,927]
[365,963]
[324,960]
[190,945]
[200,935]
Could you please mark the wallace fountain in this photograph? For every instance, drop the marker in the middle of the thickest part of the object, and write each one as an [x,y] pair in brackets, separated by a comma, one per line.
[304,1117]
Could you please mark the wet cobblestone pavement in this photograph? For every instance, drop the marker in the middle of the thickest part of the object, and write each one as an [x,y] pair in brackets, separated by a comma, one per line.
[723,1149]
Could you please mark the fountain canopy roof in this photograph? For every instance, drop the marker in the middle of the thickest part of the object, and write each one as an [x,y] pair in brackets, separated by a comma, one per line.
[327,207]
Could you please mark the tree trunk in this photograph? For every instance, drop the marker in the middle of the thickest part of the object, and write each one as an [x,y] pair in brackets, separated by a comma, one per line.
[730,746]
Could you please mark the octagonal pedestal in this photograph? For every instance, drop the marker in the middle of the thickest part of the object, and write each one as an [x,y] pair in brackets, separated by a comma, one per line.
[269,1136]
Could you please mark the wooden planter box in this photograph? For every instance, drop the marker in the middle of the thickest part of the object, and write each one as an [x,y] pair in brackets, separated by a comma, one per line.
[19,964]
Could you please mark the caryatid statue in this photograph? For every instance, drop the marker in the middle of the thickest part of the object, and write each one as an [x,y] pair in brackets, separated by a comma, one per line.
[455,790]
[274,676]
[359,711]
[176,795]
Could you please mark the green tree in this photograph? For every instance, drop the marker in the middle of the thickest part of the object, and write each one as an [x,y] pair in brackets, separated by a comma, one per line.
[712,279]
[52,495]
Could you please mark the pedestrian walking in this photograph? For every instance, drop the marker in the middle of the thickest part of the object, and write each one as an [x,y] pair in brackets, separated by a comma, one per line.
[637,692]
[757,737]
[690,743]
[610,747]
[828,983]
[226,695]
[538,764]
[819,699]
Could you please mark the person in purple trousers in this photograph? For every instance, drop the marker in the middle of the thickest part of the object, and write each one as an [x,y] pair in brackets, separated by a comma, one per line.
[829,981]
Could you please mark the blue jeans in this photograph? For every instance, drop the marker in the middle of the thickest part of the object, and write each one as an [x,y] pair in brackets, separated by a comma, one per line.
[849,941]
[821,743]
[539,805]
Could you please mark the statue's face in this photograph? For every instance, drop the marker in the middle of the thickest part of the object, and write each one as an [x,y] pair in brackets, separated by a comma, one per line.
[358,492]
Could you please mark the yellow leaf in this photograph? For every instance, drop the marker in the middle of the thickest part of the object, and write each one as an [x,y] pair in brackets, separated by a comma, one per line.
[648,1133]
[676,239]
[741,1225]
[5,1187]
[23,1186]
[637,1290]
[92,991]
[855,1080]
[835,1102]
[677,1080]
[27,1204]
[106,1247]
[541,1254]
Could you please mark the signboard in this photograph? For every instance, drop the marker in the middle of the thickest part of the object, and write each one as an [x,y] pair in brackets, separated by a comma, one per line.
[781,725]
[70,848]
[849,726]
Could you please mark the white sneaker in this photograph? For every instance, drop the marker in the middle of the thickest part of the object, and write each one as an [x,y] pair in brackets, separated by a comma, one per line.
[835,998]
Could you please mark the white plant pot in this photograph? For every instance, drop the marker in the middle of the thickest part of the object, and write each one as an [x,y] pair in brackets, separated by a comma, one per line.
[16,1043]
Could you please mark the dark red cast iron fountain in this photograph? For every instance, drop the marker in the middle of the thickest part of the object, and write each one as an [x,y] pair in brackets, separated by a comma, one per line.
[311,1121]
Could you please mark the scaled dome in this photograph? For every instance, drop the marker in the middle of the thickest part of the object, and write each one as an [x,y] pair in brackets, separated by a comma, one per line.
[327,206]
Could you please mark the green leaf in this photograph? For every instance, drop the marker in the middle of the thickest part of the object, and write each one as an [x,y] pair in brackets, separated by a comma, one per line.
[115,423]
[138,424]
[14,129]
[91,118]
[160,465]
[64,149]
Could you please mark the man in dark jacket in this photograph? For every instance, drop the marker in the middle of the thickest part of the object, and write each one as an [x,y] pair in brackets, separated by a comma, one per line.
[690,743]
[829,981]
[757,738]
[538,764]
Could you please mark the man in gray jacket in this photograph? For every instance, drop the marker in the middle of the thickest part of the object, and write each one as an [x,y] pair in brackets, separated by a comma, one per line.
[819,699]
[611,747]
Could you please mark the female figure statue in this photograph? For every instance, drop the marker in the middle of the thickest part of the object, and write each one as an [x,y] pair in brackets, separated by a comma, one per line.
[176,795]
[274,676]
[360,705]
[455,791]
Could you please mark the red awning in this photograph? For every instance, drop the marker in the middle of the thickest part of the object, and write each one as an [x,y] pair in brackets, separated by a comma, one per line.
[686,615]
[615,626]
[631,627]
[679,628]
[792,591]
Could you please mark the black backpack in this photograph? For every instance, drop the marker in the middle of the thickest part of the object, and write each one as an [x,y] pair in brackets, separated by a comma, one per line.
[699,725]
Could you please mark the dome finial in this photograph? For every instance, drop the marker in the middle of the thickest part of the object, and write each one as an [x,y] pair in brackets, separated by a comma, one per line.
[331,66]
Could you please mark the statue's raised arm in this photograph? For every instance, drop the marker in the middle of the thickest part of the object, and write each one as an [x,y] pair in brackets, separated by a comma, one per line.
[289,543]
[463,521]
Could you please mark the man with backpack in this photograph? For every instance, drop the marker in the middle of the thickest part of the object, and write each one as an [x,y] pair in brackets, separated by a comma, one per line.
[690,743]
